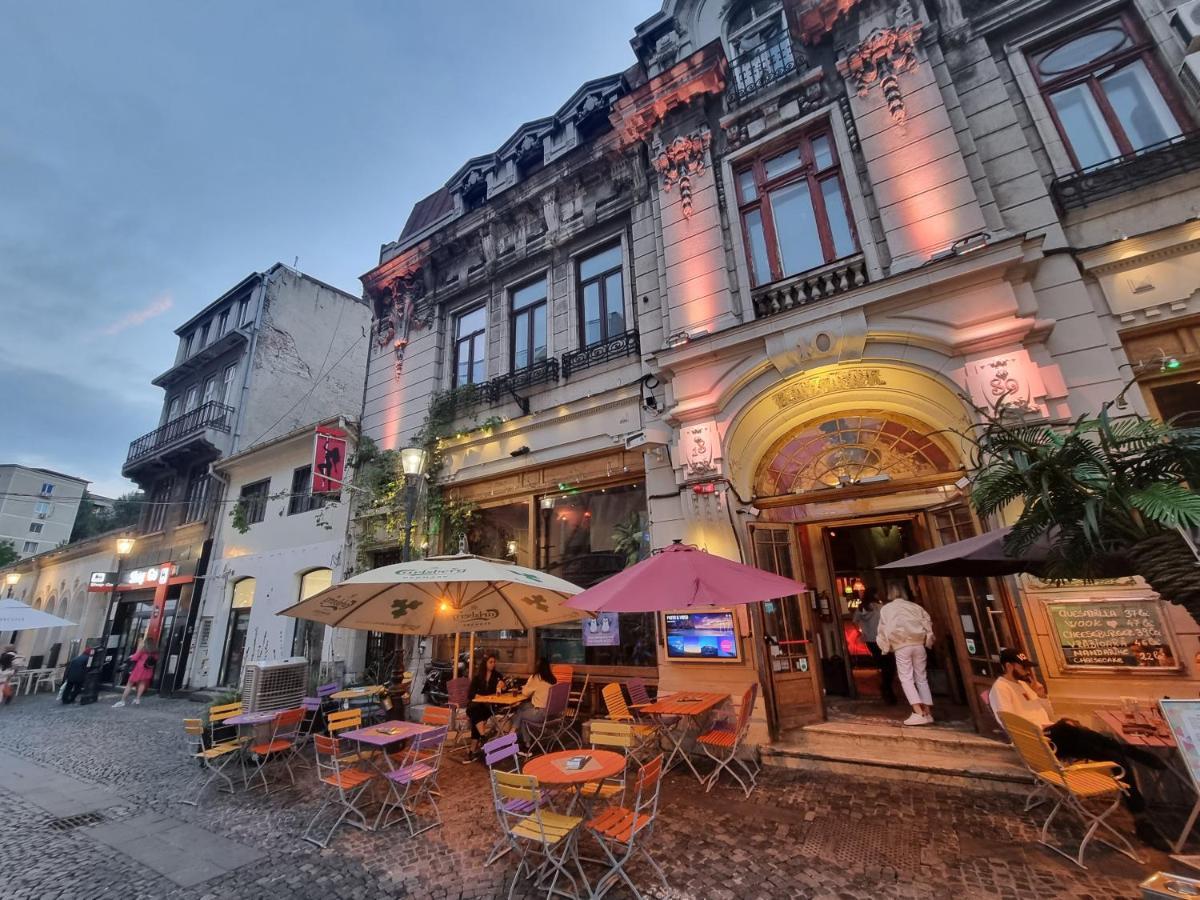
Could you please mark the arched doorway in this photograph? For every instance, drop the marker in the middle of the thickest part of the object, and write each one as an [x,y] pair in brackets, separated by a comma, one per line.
[308,640]
[241,603]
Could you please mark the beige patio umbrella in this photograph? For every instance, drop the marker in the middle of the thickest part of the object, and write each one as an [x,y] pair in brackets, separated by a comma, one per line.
[443,595]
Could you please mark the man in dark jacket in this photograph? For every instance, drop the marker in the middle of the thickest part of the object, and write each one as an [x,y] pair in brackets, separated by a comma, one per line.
[76,670]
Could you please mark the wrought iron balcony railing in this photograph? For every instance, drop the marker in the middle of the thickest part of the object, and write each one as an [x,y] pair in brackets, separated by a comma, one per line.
[506,387]
[809,287]
[594,354]
[1129,172]
[758,69]
[213,415]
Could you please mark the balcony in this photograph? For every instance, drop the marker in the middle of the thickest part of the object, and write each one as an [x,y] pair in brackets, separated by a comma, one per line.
[809,287]
[1157,162]
[758,69]
[622,345]
[186,435]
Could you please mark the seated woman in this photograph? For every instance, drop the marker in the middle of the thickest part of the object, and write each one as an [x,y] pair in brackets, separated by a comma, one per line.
[536,693]
[487,681]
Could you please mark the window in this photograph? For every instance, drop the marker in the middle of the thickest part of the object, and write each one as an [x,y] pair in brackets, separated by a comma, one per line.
[35,527]
[760,47]
[223,324]
[253,499]
[244,311]
[601,297]
[309,636]
[529,324]
[173,409]
[235,637]
[47,489]
[210,389]
[227,383]
[187,344]
[41,509]
[30,547]
[302,498]
[470,357]
[157,516]
[1105,92]
[793,207]
[203,337]
[193,398]
[197,497]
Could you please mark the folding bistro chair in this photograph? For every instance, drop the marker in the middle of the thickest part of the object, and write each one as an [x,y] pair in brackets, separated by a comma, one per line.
[542,736]
[618,711]
[503,754]
[722,742]
[544,841]
[571,726]
[562,672]
[1039,794]
[415,782]
[458,695]
[623,831]
[223,750]
[618,736]
[283,745]
[1071,787]
[193,737]
[348,720]
[344,784]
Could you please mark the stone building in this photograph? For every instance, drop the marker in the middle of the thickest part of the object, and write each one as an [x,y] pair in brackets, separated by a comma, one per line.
[37,507]
[749,293]
[277,351]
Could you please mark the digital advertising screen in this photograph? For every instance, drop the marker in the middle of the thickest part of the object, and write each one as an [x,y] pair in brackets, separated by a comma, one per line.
[701,636]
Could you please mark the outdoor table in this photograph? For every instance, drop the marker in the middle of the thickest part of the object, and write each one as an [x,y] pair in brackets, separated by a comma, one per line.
[499,703]
[1163,744]
[382,737]
[30,677]
[692,708]
[550,769]
[369,693]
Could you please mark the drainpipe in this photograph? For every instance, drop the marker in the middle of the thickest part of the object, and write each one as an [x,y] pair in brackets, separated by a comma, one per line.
[260,300]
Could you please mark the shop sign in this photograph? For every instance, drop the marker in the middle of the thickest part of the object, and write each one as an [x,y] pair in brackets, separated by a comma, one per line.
[819,386]
[102,581]
[1113,634]
[149,577]
[329,460]
[602,631]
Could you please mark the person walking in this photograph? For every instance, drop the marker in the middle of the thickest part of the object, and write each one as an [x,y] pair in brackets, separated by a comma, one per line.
[143,663]
[76,672]
[866,617]
[906,630]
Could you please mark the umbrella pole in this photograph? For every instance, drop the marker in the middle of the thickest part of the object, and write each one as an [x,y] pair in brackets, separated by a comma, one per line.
[471,656]
[454,665]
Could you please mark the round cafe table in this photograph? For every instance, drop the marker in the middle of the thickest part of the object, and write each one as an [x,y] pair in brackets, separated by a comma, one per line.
[550,769]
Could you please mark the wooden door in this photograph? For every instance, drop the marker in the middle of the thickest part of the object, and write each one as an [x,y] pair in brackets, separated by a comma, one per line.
[796,695]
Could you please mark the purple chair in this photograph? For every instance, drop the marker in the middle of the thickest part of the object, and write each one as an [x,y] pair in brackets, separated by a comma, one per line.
[504,753]
[543,735]
[415,782]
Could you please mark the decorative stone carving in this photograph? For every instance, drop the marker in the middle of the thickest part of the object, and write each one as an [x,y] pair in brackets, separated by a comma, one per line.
[678,162]
[816,19]
[699,449]
[886,54]
[1010,381]
[403,306]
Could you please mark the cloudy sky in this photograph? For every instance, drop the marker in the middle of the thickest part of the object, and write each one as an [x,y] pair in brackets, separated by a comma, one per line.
[154,153]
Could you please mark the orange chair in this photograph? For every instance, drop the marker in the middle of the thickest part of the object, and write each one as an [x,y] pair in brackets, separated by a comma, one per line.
[283,745]
[345,787]
[721,744]
[618,711]
[623,831]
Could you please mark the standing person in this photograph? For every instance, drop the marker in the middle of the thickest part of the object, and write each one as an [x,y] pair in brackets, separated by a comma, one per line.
[906,630]
[487,680]
[142,672]
[11,663]
[866,617]
[536,693]
[76,671]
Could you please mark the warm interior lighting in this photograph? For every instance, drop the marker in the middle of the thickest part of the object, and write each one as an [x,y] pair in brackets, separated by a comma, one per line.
[124,546]
[12,578]
[547,502]
[445,606]
[412,460]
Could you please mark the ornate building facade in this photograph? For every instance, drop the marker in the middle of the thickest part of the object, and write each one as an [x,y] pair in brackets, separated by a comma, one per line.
[751,292]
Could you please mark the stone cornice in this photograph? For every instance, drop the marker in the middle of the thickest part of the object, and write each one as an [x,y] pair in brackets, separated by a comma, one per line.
[1143,249]
[635,115]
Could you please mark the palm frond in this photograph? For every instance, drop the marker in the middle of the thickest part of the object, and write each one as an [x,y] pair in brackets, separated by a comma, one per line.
[1168,504]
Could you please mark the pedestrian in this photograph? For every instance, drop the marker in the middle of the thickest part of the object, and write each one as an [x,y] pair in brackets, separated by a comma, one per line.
[11,664]
[141,672]
[906,630]
[1019,692]
[76,670]
[866,617]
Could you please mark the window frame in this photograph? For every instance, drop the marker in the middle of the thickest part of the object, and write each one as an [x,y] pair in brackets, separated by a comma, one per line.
[188,341]
[36,527]
[173,407]
[1089,74]
[243,310]
[204,334]
[209,392]
[254,496]
[808,172]
[191,400]
[223,324]
[303,500]
[30,547]
[601,279]
[470,339]
[227,382]
[527,311]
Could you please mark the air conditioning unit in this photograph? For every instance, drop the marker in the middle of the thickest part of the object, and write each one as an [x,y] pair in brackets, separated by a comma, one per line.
[1189,74]
[274,684]
[1186,22]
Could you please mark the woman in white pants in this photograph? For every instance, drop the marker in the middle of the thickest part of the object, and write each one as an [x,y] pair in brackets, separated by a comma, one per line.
[906,630]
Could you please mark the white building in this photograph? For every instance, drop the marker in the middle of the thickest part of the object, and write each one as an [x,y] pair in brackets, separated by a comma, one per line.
[37,507]
[285,544]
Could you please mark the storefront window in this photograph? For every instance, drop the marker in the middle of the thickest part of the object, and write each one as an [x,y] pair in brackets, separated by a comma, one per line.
[309,637]
[501,532]
[586,537]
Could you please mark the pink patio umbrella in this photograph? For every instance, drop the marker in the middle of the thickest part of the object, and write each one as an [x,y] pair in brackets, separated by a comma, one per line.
[682,576]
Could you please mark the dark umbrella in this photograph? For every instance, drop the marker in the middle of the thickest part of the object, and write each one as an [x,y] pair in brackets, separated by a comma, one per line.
[981,555]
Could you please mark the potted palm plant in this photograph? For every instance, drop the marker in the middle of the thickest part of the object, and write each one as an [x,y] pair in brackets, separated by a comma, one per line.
[1107,494]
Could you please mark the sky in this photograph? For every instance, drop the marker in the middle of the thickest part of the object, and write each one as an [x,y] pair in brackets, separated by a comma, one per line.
[154,153]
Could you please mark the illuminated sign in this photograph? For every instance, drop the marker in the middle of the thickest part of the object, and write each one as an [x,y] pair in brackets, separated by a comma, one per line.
[102,581]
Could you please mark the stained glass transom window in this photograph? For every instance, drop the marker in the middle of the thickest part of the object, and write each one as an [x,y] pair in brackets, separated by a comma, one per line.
[853,449]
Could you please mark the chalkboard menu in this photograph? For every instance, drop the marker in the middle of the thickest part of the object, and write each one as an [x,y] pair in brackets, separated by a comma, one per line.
[1113,634]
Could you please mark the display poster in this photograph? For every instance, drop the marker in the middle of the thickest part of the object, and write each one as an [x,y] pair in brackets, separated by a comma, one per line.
[1113,634]
[329,460]
[603,630]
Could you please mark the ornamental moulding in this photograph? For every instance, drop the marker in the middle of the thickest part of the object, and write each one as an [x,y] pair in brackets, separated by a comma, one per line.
[816,18]
[639,112]
[682,158]
[885,54]
[401,303]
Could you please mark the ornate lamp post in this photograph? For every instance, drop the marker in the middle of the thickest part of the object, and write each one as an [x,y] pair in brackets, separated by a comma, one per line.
[412,462]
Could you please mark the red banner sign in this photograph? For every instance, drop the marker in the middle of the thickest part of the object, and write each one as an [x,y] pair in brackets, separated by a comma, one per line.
[329,460]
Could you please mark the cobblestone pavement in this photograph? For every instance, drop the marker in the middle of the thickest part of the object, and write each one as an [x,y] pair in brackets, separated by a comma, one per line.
[800,835]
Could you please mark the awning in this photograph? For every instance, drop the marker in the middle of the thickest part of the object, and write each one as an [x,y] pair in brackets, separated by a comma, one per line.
[981,556]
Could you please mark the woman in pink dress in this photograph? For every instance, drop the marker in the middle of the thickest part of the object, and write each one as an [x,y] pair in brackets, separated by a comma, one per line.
[143,670]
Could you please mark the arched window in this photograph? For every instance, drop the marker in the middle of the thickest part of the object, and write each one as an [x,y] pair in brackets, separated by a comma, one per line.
[309,637]
[235,636]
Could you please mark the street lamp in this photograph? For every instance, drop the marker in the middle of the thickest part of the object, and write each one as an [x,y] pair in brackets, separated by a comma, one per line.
[412,463]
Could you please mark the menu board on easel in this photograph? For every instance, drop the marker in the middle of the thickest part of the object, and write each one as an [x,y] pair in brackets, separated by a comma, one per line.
[1113,634]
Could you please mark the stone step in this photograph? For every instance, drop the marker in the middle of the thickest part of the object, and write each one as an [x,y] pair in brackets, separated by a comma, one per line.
[834,736]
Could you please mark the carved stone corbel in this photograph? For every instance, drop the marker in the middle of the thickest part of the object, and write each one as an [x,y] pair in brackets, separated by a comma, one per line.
[878,61]
[678,162]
